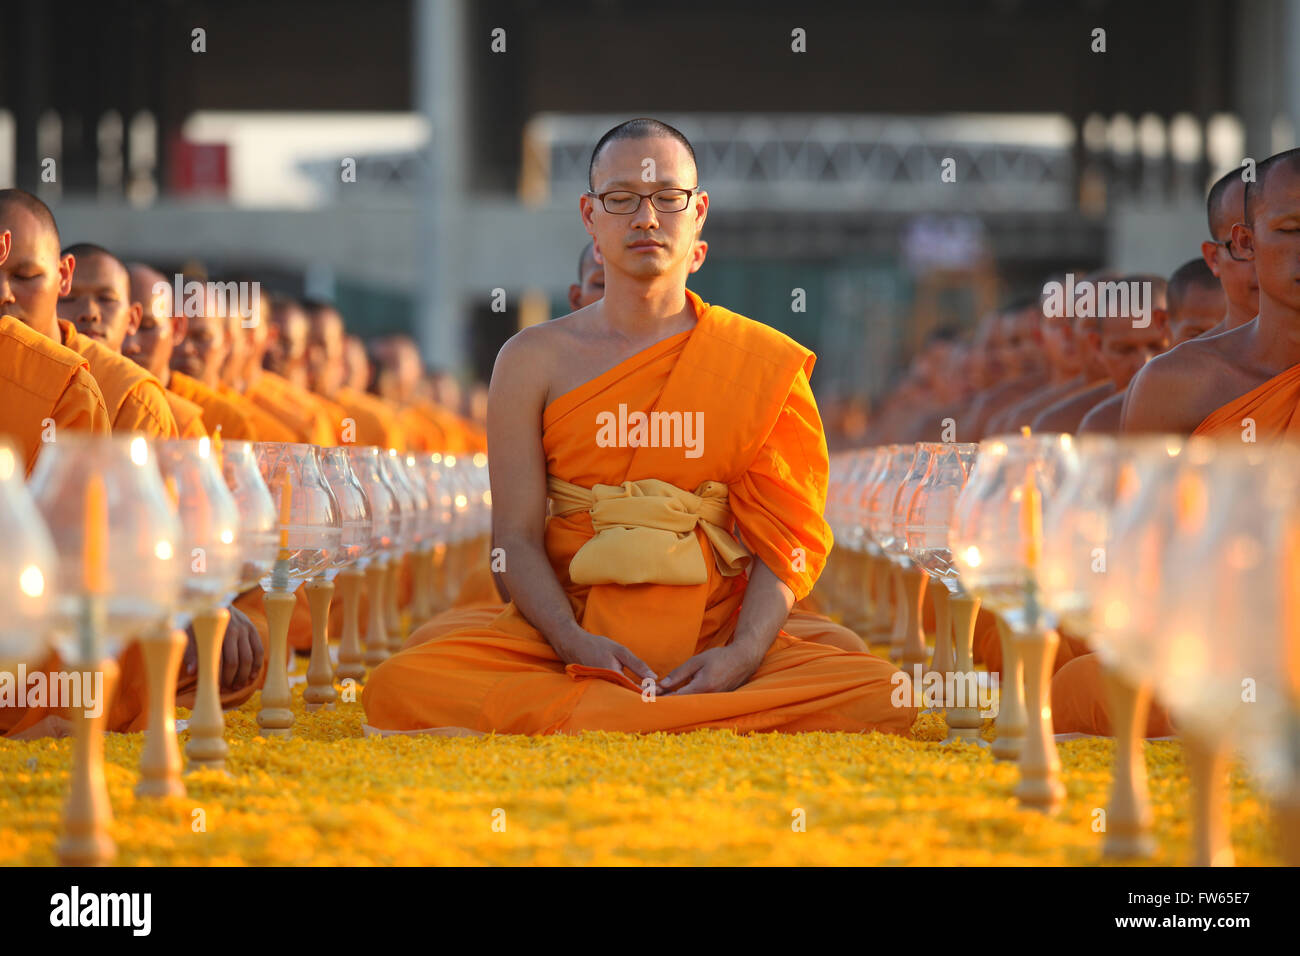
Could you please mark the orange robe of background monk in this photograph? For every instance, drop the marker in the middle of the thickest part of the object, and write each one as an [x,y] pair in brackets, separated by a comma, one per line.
[750,384]
[134,398]
[43,382]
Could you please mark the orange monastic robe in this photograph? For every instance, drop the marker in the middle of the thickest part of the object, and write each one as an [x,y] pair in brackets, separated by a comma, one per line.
[136,400]
[189,417]
[295,407]
[763,440]
[1274,407]
[220,411]
[41,381]
[460,435]
[422,433]
[376,423]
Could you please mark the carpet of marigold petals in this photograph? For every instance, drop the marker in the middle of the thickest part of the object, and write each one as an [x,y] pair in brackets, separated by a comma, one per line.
[330,797]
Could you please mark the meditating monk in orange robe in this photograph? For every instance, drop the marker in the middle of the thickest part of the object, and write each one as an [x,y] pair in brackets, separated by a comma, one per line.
[806,619]
[1243,386]
[373,422]
[47,388]
[100,304]
[135,399]
[279,389]
[635,607]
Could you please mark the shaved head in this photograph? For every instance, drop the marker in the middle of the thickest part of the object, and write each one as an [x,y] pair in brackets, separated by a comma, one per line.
[21,199]
[1223,205]
[34,274]
[641,128]
[1288,161]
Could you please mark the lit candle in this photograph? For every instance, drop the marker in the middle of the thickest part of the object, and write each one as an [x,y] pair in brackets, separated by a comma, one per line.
[216,446]
[286,499]
[94,551]
[1031,520]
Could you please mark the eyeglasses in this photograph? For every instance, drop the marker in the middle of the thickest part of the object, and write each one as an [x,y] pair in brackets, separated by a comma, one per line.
[624,202]
[1227,245]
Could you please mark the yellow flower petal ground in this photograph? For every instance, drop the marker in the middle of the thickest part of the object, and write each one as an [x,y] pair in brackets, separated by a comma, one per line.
[329,797]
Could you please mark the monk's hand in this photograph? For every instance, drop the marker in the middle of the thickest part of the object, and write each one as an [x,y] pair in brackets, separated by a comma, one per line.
[241,652]
[716,670]
[593,650]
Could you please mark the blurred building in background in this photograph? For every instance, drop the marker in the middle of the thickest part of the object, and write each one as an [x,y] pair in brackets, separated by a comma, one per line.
[412,157]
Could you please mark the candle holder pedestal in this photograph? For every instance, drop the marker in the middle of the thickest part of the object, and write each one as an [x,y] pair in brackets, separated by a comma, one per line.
[88,815]
[1040,786]
[207,748]
[1011,706]
[160,761]
[276,716]
[320,692]
[1129,817]
[351,658]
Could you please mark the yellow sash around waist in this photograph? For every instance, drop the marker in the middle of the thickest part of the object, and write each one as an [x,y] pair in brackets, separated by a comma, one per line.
[644,531]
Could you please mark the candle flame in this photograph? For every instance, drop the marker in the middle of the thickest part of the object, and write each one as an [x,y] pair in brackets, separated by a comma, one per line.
[32,581]
[139,451]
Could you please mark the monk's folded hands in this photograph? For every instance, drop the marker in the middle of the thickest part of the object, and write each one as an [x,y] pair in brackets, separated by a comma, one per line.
[714,671]
[579,646]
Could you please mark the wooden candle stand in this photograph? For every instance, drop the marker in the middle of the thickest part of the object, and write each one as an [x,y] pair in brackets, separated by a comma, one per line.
[207,749]
[964,723]
[914,584]
[320,692]
[376,629]
[898,635]
[160,761]
[392,608]
[942,661]
[351,659]
[1010,722]
[1040,786]
[276,716]
[1207,766]
[88,816]
[1129,817]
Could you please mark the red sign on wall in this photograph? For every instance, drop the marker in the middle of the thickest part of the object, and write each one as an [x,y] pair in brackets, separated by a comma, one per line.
[199,169]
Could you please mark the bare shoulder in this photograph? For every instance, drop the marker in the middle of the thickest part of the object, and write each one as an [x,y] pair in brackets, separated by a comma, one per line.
[1176,391]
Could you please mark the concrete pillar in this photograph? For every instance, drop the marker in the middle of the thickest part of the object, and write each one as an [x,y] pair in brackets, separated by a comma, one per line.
[441,91]
[1258,80]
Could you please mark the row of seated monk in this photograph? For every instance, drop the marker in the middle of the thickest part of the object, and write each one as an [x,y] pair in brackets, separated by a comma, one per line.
[91,344]
[739,639]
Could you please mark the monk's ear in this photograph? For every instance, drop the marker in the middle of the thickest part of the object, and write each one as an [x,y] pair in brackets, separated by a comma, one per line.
[6,238]
[180,326]
[67,266]
[595,251]
[575,293]
[1243,241]
[134,315]
[697,257]
[1210,253]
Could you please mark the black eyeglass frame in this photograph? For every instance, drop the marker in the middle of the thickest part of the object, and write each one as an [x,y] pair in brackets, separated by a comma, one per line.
[600,197]
[1227,247]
